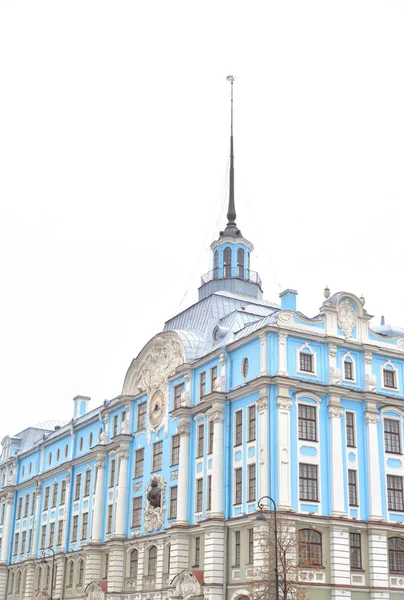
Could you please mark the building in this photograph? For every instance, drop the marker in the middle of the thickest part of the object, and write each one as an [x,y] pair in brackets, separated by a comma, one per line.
[154,494]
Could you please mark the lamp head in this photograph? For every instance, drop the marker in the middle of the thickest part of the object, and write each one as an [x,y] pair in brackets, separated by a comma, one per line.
[260,516]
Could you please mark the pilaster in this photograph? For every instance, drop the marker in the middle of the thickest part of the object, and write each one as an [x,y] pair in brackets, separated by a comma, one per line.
[214,567]
[179,551]
[378,564]
[372,419]
[263,466]
[217,416]
[5,542]
[282,341]
[116,567]
[3,580]
[183,430]
[263,354]
[60,572]
[159,563]
[66,511]
[335,413]
[98,499]
[284,404]
[93,563]
[340,568]
[122,489]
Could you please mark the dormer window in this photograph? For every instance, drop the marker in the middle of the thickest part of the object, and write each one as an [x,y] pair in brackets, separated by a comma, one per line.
[306,362]
[227,262]
[240,263]
[348,369]
[389,378]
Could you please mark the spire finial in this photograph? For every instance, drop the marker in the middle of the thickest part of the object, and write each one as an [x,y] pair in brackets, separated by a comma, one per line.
[231,228]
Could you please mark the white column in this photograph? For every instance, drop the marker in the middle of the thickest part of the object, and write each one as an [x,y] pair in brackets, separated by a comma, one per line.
[263,354]
[120,519]
[335,374]
[378,564]
[263,437]
[183,430]
[335,413]
[284,404]
[370,379]
[67,507]
[98,513]
[217,471]
[282,367]
[372,419]
[5,542]
[340,567]
[37,521]
[29,580]
[214,565]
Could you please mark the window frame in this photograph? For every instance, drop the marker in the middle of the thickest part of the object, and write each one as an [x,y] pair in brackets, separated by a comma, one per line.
[238,427]
[173,502]
[200,440]
[304,421]
[398,553]
[353,488]
[355,551]
[177,394]
[391,493]
[302,364]
[213,378]
[137,511]
[199,495]
[157,456]
[351,428]
[202,385]
[390,372]
[303,498]
[238,486]
[311,548]
[252,482]
[392,438]
[139,463]
[141,416]
[252,423]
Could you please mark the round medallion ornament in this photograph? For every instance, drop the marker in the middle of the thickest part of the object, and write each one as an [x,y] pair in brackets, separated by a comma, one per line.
[156,408]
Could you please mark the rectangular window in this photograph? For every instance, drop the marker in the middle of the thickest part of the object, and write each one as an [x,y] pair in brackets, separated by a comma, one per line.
[237,537]
[87,483]
[389,379]
[75,526]
[105,569]
[352,488]
[115,426]
[197,551]
[348,370]
[178,391]
[52,534]
[19,507]
[355,550]
[211,427]
[141,416]
[350,429]
[84,526]
[251,546]
[29,541]
[395,492]
[306,362]
[33,503]
[26,505]
[139,463]
[77,487]
[392,442]
[307,423]
[252,423]
[201,438]
[209,498]
[109,519]
[43,537]
[199,495]
[251,483]
[46,499]
[173,502]
[202,385]
[157,456]
[123,417]
[175,450]
[112,468]
[63,492]
[60,532]
[55,494]
[23,541]
[308,482]
[213,378]
[239,428]
[16,542]
[238,486]
[137,511]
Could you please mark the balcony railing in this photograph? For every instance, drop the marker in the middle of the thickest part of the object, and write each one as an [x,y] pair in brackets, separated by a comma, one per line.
[232,273]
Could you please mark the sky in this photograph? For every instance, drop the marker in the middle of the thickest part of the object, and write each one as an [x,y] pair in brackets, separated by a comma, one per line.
[114,143]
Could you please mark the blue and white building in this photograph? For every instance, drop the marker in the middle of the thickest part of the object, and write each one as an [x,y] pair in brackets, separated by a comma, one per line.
[154,494]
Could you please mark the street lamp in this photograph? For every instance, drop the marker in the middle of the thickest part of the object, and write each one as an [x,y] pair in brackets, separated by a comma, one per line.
[43,561]
[262,517]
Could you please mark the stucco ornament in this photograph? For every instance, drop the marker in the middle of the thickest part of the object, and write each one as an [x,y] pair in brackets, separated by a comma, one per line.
[155,503]
[157,408]
[346,317]
[186,585]
[94,591]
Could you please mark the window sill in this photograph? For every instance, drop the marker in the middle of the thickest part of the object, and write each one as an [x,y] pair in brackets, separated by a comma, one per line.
[358,570]
[309,500]
[395,453]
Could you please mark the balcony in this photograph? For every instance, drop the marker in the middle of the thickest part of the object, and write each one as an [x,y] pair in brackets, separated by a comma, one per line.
[232,273]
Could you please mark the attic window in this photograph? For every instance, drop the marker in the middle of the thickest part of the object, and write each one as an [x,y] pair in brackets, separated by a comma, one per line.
[389,379]
[306,362]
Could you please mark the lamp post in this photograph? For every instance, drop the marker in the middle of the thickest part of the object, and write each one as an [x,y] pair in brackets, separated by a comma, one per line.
[262,517]
[43,561]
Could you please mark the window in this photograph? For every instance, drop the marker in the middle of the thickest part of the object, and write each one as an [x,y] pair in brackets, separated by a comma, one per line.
[199,494]
[352,488]
[309,548]
[19,507]
[66,450]
[55,494]
[251,483]
[252,423]
[201,437]
[137,511]
[240,263]
[157,456]
[18,583]
[211,427]
[90,440]
[178,391]
[216,265]
[239,428]
[350,429]
[16,541]
[52,534]
[33,503]
[237,537]
[306,362]
[115,426]
[84,526]
[43,537]
[60,532]
[141,416]
[75,528]
[139,463]
[77,487]
[395,492]
[50,458]
[209,496]
[87,482]
[396,554]
[134,561]
[63,492]
[152,561]
[348,369]
[70,573]
[389,378]
[37,579]
[112,472]
[175,450]
[244,367]
[81,442]
[227,262]
[238,486]
[355,550]
[26,505]
[23,541]
[392,442]
[29,541]
[109,519]
[80,579]
[46,499]
[307,423]
[202,385]
[11,583]
[251,546]
[308,482]
[213,378]
[197,556]
[173,502]
[123,418]
[105,566]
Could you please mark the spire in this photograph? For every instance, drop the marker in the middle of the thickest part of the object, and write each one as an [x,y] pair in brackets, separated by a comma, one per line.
[231,228]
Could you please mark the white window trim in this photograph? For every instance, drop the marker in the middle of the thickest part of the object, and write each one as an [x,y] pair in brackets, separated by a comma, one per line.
[397,418]
[388,363]
[353,361]
[306,346]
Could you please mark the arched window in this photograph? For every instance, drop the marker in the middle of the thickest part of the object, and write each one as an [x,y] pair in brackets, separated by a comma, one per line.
[216,265]
[38,579]
[30,468]
[18,583]
[66,450]
[81,444]
[133,563]
[227,262]
[310,552]
[240,263]
[55,494]
[90,440]
[70,573]
[81,572]
[23,471]
[396,554]
[24,581]
[58,454]
[47,577]
[55,572]
[152,561]
[50,458]
[11,583]
[99,435]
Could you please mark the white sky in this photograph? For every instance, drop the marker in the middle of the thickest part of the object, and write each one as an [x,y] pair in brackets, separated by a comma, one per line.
[114,125]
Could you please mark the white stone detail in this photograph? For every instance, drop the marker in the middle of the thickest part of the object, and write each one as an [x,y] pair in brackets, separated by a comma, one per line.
[346,317]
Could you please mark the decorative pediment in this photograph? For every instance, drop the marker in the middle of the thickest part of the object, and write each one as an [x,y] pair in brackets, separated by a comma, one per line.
[96,590]
[186,586]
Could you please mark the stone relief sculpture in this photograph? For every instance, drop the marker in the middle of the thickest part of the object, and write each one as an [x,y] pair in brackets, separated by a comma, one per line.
[346,317]
[186,585]
[155,503]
